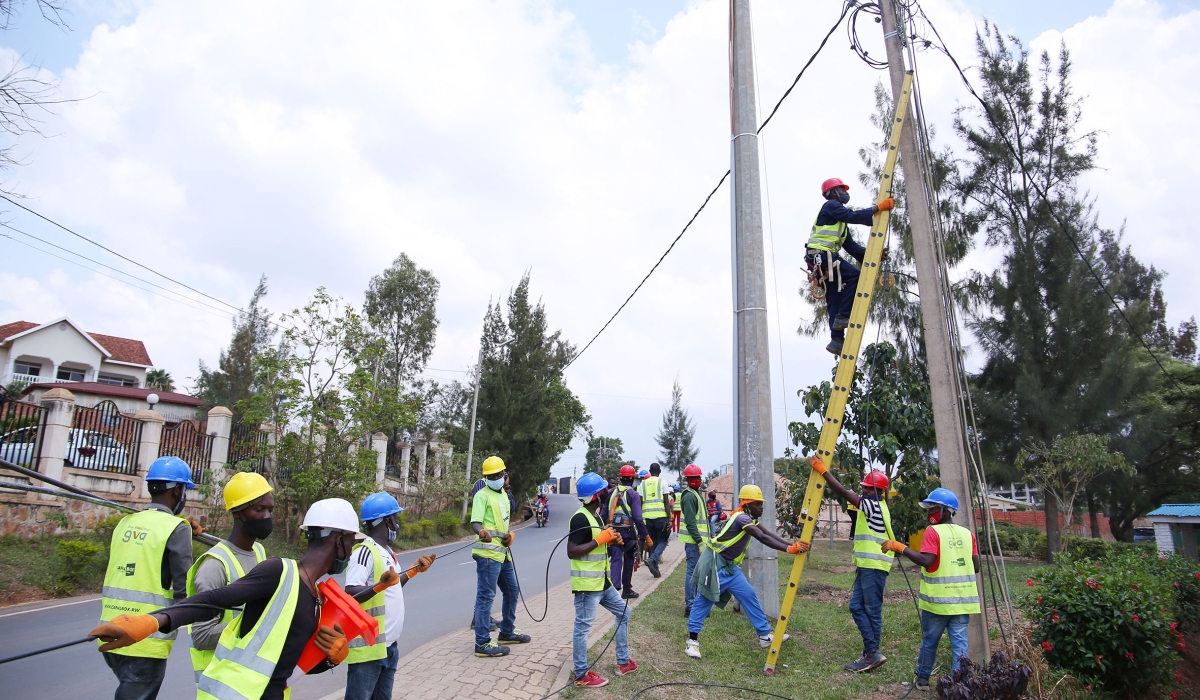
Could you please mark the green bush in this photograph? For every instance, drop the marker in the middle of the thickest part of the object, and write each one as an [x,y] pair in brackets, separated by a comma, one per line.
[427,529]
[104,529]
[1113,621]
[1147,548]
[1088,548]
[1014,540]
[410,532]
[1041,547]
[76,557]
[448,523]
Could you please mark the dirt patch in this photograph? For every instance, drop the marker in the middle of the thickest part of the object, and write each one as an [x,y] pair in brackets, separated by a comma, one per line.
[841,569]
[815,590]
[1188,668]
[16,593]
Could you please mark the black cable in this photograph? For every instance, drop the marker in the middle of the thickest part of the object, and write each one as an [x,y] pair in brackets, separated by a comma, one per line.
[708,685]
[852,33]
[35,652]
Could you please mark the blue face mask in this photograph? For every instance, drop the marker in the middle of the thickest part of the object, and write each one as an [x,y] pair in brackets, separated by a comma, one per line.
[495,484]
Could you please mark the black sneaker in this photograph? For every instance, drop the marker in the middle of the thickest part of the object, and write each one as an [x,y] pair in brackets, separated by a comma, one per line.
[922,684]
[874,661]
[653,569]
[490,650]
[514,638]
[858,665]
[629,593]
[835,347]
[841,322]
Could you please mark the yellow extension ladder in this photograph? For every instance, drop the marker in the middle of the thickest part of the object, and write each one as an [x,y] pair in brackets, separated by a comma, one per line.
[847,362]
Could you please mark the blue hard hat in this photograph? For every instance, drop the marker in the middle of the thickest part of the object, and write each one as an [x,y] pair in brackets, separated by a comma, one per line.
[589,485]
[941,497]
[170,469]
[379,505]
[643,473]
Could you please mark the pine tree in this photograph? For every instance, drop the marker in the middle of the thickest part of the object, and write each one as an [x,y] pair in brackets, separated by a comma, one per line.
[233,380]
[675,436]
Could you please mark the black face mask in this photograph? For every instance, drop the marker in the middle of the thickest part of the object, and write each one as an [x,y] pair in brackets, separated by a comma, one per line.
[182,501]
[842,195]
[258,528]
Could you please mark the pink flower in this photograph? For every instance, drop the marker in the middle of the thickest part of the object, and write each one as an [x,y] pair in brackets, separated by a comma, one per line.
[1098,658]
[1177,585]
[1135,618]
[1135,585]
[1181,646]
[1039,599]
[1029,581]
[1055,618]
[1046,646]
[1129,655]
[1174,625]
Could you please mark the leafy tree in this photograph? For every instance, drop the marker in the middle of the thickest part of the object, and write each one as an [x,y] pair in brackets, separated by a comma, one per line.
[604,456]
[159,380]
[526,414]
[676,434]
[401,308]
[234,379]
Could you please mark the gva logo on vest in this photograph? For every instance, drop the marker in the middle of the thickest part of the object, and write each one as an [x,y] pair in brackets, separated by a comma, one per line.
[136,534]
[127,569]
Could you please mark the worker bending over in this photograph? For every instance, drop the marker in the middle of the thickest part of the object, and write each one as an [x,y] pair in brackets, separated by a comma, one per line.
[717,576]
[625,515]
[830,234]
[490,512]
[587,543]
[249,501]
[949,559]
[693,532]
[372,667]
[655,507]
[148,562]
[257,653]
[873,526]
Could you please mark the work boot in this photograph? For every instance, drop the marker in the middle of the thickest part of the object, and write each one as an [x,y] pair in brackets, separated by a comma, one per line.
[629,593]
[840,323]
[835,347]
[922,684]
[653,569]
[626,669]
[490,650]
[515,638]
[591,679]
[693,649]
[687,612]
[858,665]
[765,640]
[874,661]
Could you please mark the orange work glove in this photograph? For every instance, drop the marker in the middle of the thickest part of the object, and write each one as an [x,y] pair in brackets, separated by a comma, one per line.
[818,466]
[508,539]
[332,641]
[197,528]
[389,579]
[798,547]
[606,537]
[424,562]
[123,631]
[886,204]
[891,546]
[649,543]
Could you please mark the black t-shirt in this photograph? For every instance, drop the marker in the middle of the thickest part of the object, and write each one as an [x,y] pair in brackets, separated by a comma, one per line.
[582,534]
[254,591]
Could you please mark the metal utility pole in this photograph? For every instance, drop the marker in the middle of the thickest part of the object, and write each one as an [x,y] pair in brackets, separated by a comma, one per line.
[474,406]
[753,449]
[951,441]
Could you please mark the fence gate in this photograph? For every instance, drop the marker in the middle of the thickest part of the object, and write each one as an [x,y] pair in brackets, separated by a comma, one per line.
[246,445]
[104,439]
[392,466]
[182,440]
[21,426]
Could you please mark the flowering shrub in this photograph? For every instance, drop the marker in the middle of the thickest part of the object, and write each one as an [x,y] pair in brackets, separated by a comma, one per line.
[1113,622]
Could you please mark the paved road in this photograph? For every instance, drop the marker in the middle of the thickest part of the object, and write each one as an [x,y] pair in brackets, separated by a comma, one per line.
[436,603]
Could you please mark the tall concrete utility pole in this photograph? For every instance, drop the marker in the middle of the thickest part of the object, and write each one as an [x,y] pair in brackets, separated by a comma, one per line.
[951,441]
[753,451]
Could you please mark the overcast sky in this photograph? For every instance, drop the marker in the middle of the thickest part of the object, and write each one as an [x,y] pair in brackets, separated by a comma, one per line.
[315,142]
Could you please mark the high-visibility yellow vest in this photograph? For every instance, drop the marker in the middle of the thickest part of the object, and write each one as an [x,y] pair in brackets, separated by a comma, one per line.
[589,571]
[867,554]
[701,518]
[133,582]
[233,571]
[495,517]
[360,651]
[951,590]
[718,544]
[619,514]
[244,662]
[652,498]
[676,506]
[829,237]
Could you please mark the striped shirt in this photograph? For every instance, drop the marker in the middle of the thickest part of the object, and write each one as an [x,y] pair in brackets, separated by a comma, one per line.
[874,515]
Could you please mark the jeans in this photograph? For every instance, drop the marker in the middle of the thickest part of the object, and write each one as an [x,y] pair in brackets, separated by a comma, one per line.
[372,680]
[585,614]
[839,303]
[491,574]
[866,606]
[692,552]
[733,580]
[932,626]
[622,558]
[660,532]
[138,677]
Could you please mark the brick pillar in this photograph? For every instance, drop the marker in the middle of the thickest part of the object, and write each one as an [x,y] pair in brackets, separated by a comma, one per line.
[379,443]
[220,427]
[60,409]
[152,425]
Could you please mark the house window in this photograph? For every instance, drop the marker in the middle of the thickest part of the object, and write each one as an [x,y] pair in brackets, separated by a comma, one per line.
[69,374]
[116,380]
[32,369]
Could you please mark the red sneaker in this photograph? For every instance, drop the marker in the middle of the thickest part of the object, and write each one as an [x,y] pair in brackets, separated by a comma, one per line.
[626,669]
[591,679]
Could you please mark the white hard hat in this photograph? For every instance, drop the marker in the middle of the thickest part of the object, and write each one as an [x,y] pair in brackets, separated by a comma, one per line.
[332,514]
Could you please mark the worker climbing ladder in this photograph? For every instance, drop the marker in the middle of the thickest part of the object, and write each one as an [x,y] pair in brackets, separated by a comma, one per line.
[847,363]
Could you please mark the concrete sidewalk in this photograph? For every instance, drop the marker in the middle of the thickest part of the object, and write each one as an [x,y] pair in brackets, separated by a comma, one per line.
[448,668]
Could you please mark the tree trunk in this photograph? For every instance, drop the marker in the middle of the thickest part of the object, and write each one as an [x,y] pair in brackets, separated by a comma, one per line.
[1095,524]
[1053,534]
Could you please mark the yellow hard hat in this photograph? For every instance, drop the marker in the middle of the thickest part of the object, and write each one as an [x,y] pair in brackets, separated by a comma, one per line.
[750,492]
[245,487]
[492,465]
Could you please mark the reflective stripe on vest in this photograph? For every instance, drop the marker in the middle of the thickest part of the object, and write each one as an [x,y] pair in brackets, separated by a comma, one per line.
[589,571]
[951,590]
[495,521]
[652,498]
[133,581]
[701,518]
[829,237]
[376,607]
[233,571]
[718,544]
[867,554]
[243,665]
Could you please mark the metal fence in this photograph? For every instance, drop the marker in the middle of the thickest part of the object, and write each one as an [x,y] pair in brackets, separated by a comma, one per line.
[392,466]
[246,444]
[184,441]
[21,428]
[104,439]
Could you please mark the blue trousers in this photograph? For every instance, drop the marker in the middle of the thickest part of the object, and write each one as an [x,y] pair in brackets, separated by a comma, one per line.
[490,574]
[660,533]
[839,303]
[742,591]
[585,615]
[372,680]
[621,559]
[866,606]
[692,552]
[932,626]
[138,677]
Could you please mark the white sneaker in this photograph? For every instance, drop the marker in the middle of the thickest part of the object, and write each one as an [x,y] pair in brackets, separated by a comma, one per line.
[764,642]
[693,649]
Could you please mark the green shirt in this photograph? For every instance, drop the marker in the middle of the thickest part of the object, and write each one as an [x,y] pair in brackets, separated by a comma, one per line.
[691,508]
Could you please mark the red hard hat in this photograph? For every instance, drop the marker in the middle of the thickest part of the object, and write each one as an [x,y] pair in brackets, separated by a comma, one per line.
[691,471]
[876,479]
[831,183]
[724,516]
[628,471]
